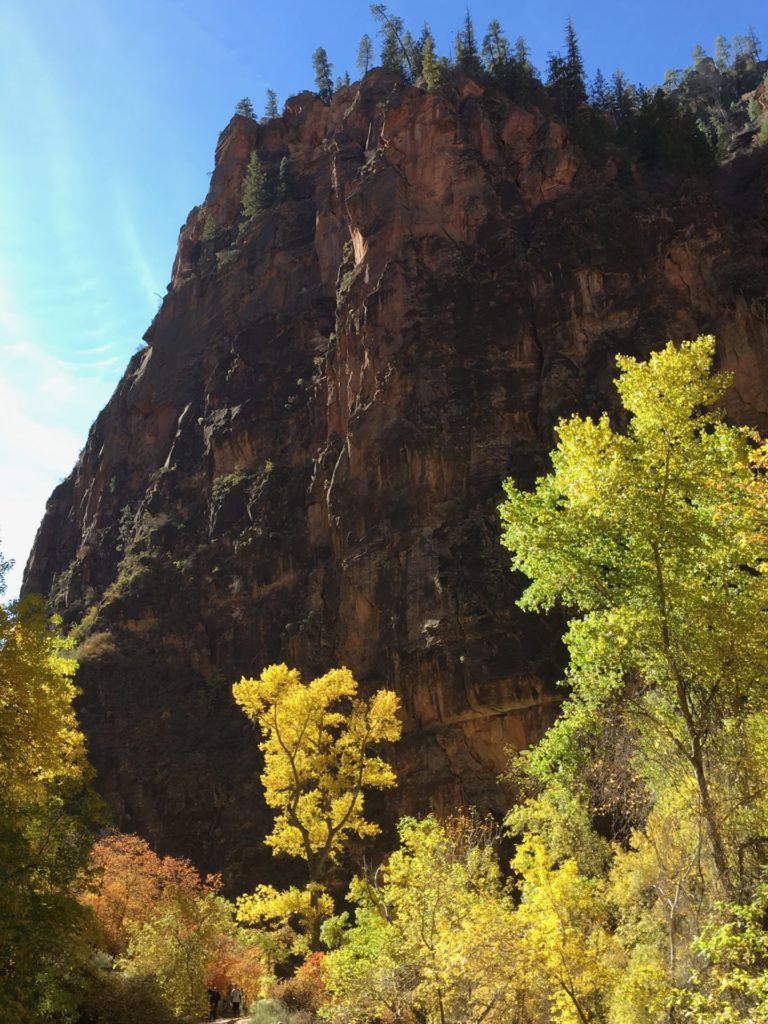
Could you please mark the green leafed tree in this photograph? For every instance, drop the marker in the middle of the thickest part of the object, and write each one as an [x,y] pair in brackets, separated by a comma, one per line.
[730,984]
[746,47]
[270,107]
[365,55]
[430,65]
[435,938]
[496,49]
[754,43]
[391,56]
[467,53]
[565,78]
[523,54]
[394,53]
[244,108]
[598,93]
[722,53]
[667,134]
[255,188]
[323,74]
[285,179]
[655,540]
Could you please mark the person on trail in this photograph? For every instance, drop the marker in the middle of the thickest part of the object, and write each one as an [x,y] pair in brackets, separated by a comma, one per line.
[235,998]
[213,1003]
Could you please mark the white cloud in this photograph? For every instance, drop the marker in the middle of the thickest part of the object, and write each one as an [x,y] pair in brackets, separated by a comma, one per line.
[93,350]
[48,405]
[32,457]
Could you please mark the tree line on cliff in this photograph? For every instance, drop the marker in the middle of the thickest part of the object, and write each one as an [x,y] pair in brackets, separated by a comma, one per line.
[685,125]
[636,890]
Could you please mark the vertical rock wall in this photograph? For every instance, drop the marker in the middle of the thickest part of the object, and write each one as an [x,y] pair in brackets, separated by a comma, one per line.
[305,462]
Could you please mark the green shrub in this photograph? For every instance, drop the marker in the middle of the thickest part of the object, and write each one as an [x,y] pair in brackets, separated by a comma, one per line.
[268,1011]
[112,997]
[226,256]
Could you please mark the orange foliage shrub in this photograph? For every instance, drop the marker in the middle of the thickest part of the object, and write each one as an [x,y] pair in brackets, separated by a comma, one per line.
[238,962]
[306,989]
[134,891]
[129,882]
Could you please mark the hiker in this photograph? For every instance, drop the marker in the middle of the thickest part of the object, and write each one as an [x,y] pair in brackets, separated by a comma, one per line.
[235,998]
[213,1003]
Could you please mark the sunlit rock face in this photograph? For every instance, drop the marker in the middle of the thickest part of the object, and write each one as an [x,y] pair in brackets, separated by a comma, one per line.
[304,464]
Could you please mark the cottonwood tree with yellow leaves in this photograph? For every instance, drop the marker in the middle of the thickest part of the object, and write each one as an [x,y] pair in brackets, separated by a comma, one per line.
[45,803]
[435,938]
[318,740]
[655,539]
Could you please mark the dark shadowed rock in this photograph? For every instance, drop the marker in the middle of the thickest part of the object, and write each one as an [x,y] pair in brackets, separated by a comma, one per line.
[305,462]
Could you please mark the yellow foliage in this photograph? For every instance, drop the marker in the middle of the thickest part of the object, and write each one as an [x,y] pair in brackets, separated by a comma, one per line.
[435,940]
[270,907]
[44,804]
[317,739]
[564,917]
[40,742]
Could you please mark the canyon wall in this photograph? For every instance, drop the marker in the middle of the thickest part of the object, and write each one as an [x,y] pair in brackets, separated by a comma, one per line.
[304,464]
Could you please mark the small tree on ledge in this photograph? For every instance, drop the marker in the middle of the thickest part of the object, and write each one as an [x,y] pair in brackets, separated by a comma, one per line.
[244,108]
[255,188]
[323,74]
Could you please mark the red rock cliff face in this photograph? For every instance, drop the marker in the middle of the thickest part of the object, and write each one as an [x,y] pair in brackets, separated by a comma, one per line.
[305,462]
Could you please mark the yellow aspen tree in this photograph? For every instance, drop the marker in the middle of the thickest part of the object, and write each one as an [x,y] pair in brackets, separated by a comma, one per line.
[318,741]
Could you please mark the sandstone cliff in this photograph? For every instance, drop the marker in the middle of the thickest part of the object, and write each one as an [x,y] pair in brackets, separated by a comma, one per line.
[304,464]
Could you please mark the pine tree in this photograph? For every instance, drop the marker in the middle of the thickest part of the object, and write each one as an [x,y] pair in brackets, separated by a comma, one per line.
[698,54]
[556,74]
[430,67]
[467,56]
[413,51]
[495,50]
[565,78]
[208,232]
[391,56]
[244,108]
[754,44]
[270,109]
[598,94]
[365,55]
[673,79]
[575,64]
[285,180]
[722,53]
[419,49]
[746,47]
[621,98]
[394,55]
[323,74]
[255,188]
[522,57]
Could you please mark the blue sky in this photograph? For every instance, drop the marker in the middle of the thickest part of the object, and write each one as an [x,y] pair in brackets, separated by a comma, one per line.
[110,115]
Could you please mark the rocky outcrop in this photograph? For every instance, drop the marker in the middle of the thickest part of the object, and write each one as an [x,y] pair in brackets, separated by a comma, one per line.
[304,463]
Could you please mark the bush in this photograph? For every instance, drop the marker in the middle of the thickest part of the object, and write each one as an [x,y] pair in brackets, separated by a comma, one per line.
[112,997]
[267,1011]
[305,991]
